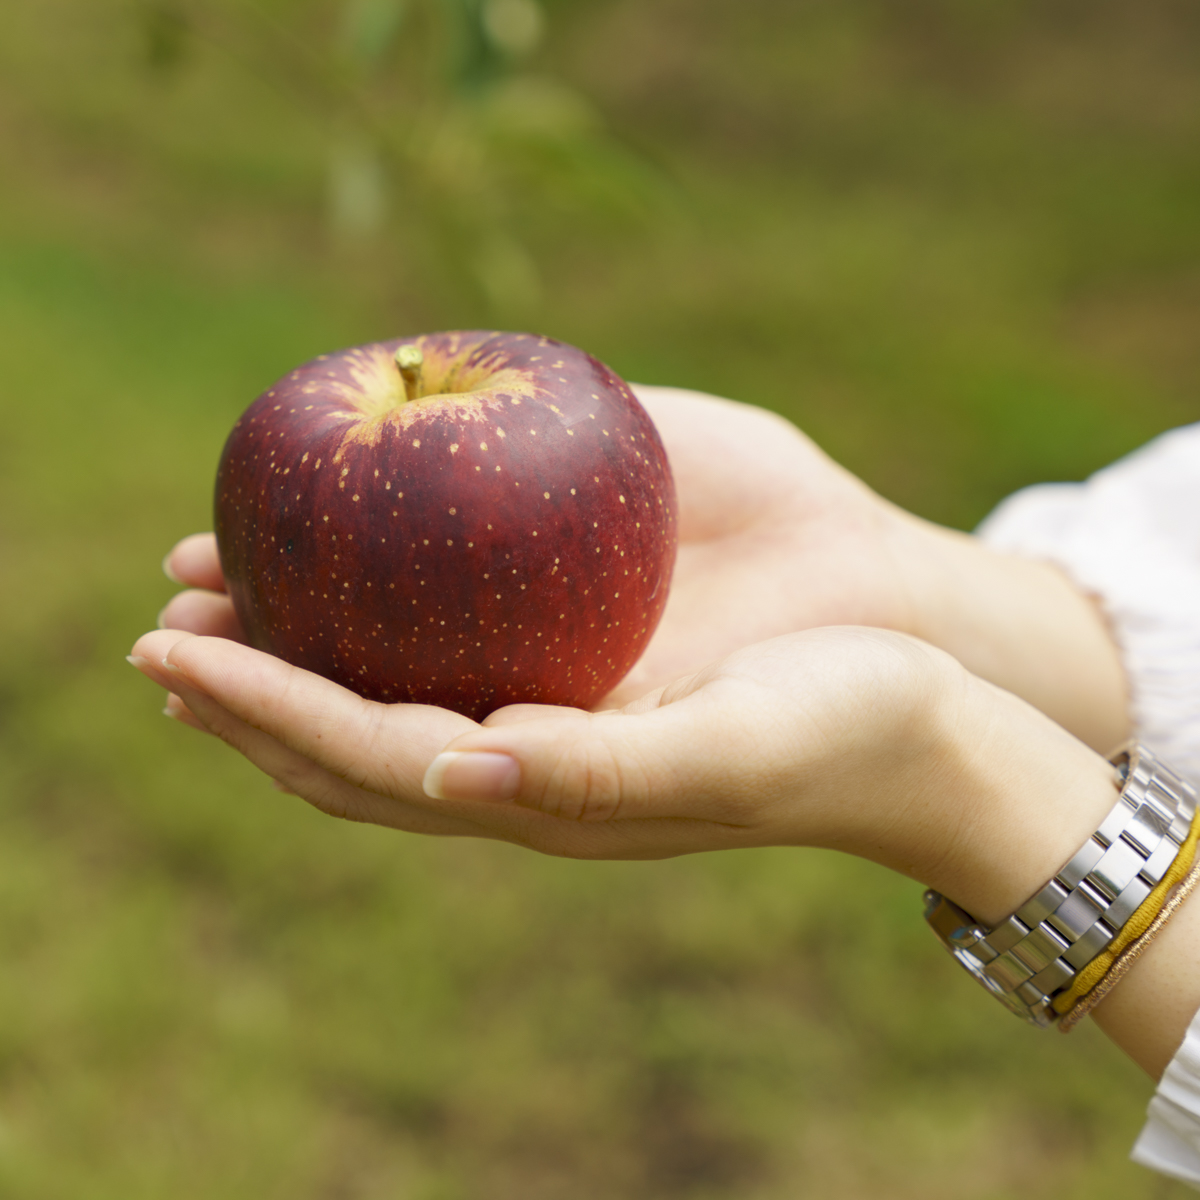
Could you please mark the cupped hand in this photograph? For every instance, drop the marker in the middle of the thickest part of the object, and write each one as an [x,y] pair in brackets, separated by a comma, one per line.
[848,738]
[776,537]
[761,748]
[204,609]
[773,537]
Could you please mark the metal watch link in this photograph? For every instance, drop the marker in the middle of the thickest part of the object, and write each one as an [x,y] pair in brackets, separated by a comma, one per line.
[1027,959]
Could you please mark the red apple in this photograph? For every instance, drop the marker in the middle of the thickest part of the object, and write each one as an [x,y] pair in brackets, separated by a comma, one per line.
[461,519]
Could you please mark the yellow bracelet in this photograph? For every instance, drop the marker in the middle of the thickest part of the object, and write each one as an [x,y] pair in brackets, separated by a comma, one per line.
[1130,954]
[1134,928]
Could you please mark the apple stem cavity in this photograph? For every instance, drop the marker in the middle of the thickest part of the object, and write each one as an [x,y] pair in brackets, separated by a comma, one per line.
[410,360]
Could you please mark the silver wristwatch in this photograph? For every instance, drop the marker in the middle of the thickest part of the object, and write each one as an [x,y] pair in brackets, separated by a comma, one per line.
[1026,960]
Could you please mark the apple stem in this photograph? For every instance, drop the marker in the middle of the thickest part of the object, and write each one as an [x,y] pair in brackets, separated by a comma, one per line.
[410,360]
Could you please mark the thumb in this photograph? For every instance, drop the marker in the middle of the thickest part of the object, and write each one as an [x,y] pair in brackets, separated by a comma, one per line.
[689,759]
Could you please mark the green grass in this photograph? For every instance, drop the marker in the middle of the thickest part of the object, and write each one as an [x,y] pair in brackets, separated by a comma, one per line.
[958,272]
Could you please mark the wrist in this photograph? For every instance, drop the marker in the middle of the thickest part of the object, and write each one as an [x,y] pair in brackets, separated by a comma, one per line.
[1009,798]
[1148,1013]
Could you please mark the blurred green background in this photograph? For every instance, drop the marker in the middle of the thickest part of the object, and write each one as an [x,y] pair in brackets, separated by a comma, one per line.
[957,243]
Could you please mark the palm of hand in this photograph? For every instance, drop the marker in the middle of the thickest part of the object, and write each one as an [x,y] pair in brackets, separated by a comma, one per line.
[761,748]
[774,538]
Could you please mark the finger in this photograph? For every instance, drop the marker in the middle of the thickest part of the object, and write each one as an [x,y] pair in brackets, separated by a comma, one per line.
[515,713]
[178,711]
[331,794]
[336,791]
[382,747]
[694,759]
[326,791]
[294,773]
[271,695]
[208,614]
[195,562]
[733,464]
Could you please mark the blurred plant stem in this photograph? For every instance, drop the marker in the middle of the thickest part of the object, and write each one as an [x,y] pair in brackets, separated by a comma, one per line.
[441,132]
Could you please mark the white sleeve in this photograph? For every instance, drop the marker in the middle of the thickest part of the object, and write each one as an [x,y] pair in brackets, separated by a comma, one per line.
[1170,1141]
[1130,535]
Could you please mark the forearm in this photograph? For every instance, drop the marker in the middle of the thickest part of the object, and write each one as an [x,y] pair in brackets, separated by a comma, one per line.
[1019,623]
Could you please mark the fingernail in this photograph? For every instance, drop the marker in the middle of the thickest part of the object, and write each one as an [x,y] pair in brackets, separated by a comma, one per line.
[472,775]
[161,621]
[136,660]
[170,666]
[166,568]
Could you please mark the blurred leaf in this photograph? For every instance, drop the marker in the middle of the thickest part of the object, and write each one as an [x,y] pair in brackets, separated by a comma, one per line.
[508,275]
[551,140]
[166,33]
[475,60]
[514,26]
[369,27]
[357,188]
[540,109]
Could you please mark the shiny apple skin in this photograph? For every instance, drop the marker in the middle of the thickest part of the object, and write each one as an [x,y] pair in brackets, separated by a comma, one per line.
[509,541]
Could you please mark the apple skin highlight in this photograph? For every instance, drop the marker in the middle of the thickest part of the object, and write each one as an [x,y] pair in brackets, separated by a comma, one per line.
[496,527]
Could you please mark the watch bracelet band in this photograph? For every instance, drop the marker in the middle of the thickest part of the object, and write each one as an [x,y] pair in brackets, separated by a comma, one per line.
[1036,953]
